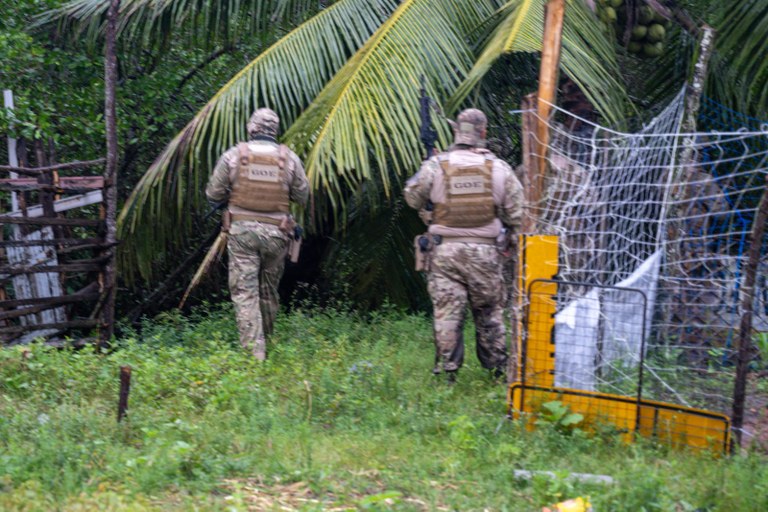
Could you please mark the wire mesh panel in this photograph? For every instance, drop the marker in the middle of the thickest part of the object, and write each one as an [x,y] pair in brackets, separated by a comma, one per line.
[584,346]
[669,213]
[584,337]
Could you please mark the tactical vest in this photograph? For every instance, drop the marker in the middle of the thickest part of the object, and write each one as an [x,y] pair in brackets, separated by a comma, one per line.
[260,182]
[468,195]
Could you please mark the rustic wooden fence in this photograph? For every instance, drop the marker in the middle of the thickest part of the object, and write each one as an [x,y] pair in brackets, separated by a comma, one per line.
[53,249]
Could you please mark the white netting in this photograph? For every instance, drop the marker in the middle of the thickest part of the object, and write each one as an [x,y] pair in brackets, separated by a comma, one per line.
[628,214]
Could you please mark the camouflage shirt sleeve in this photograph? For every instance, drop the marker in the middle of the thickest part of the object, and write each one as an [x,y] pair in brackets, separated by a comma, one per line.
[219,184]
[510,211]
[299,185]
[418,187]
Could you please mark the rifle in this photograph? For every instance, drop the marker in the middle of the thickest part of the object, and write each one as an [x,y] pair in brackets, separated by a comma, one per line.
[214,208]
[427,133]
[423,243]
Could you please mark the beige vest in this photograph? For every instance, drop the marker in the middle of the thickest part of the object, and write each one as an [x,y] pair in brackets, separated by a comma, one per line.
[468,201]
[260,183]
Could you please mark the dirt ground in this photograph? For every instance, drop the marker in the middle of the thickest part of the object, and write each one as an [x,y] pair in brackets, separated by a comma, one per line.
[259,495]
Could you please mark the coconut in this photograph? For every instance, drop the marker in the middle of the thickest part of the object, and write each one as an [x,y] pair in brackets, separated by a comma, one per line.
[615,3]
[658,17]
[645,15]
[653,49]
[610,14]
[656,33]
[635,47]
[639,32]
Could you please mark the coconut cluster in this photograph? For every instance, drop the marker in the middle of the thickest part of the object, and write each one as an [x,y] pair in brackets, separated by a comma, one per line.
[647,33]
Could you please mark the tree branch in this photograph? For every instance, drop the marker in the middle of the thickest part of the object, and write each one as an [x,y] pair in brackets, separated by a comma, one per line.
[212,57]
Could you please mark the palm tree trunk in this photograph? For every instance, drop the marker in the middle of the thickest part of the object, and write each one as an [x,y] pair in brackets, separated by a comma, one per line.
[110,175]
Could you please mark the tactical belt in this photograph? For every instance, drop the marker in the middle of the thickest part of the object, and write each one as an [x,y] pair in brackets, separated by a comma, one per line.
[467,239]
[258,218]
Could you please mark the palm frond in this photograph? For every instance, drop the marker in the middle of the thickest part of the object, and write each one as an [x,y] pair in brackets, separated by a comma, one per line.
[150,23]
[655,81]
[742,51]
[516,27]
[286,77]
[373,258]
[367,119]
[589,59]
[588,55]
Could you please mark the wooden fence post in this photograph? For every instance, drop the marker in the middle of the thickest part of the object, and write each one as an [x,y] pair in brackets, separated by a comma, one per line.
[547,95]
[746,350]
[125,390]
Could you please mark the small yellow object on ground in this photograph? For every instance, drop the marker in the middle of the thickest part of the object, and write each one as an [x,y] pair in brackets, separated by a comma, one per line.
[575,505]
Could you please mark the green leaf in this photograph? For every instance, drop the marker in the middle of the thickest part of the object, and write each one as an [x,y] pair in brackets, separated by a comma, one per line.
[172,188]
[588,56]
[572,419]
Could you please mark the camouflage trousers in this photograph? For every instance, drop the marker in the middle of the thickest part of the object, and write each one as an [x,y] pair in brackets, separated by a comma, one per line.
[256,263]
[461,274]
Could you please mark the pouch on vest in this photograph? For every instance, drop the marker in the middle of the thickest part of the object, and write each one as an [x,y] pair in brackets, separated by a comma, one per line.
[226,221]
[468,199]
[289,226]
[260,184]
[422,247]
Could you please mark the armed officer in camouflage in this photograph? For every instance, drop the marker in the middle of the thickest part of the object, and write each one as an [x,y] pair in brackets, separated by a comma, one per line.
[476,199]
[259,178]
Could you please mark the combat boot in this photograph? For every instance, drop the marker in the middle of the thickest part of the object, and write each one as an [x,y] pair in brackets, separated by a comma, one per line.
[499,374]
[260,350]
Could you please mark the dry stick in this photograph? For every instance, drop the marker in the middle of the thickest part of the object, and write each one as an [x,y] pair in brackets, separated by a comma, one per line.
[218,247]
[71,324]
[74,243]
[745,325]
[75,297]
[50,221]
[13,270]
[34,171]
[125,389]
[161,292]
[54,302]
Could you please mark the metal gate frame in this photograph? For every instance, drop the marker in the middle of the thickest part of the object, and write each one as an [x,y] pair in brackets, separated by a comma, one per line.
[671,423]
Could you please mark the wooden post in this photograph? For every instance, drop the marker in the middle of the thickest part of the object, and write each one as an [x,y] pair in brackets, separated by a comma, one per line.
[548,76]
[745,325]
[110,174]
[13,158]
[125,390]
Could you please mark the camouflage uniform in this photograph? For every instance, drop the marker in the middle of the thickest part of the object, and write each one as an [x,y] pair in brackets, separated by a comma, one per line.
[466,267]
[257,248]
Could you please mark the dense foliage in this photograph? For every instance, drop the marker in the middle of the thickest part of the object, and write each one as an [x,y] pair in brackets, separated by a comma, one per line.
[345,412]
[344,76]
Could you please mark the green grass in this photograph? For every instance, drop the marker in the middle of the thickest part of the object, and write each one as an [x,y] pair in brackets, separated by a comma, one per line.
[344,413]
